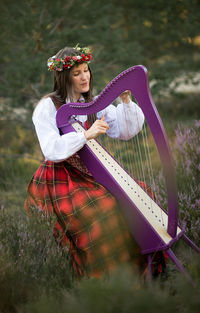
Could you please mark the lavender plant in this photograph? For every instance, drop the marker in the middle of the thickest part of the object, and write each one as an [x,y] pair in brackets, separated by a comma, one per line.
[187,156]
[186,151]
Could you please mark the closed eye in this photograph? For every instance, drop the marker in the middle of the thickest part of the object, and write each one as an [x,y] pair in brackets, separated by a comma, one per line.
[76,74]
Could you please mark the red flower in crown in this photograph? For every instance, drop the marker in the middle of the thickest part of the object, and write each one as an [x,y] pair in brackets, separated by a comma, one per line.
[83,57]
[66,66]
[67,58]
[88,57]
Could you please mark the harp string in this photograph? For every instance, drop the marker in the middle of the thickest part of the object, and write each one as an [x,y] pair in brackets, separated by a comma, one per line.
[125,158]
[141,170]
[150,168]
[147,168]
[135,156]
[141,159]
[131,162]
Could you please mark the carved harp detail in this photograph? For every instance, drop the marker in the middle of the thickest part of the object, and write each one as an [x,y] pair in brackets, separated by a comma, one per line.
[150,233]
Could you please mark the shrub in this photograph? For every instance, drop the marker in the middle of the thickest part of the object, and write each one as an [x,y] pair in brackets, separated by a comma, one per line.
[31,261]
[187,153]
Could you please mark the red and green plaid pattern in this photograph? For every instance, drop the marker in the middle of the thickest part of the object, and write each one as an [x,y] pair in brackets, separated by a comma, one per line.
[89,221]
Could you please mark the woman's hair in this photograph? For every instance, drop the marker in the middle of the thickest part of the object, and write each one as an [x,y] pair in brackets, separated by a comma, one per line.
[63,84]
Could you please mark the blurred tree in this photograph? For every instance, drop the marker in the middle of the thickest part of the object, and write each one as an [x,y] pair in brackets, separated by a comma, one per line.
[165,37]
[166,34]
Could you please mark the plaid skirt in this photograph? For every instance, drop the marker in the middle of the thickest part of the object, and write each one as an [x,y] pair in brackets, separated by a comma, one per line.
[89,224]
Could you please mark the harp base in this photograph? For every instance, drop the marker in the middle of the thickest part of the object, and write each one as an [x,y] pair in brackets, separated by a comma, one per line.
[191,243]
[163,246]
[175,260]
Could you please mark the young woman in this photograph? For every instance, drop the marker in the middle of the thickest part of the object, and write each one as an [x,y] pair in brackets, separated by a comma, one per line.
[89,223]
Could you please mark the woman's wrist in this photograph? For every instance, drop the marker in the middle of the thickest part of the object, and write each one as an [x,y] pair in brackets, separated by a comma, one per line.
[86,135]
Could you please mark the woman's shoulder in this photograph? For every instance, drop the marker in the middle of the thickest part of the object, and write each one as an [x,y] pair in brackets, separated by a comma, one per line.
[44,107]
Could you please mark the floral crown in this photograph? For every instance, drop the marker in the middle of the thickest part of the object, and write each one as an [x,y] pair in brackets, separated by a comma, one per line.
[60,64]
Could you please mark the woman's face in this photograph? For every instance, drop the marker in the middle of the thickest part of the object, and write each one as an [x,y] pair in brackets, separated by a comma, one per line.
[80,78]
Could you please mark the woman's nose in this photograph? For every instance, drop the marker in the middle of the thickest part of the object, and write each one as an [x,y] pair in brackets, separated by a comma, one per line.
[83,76]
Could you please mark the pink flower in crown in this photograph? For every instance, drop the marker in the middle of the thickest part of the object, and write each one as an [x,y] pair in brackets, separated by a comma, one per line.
[75,58]
[58,59]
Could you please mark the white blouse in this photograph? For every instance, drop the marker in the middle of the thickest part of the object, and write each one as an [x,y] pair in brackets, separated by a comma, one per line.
[125,121]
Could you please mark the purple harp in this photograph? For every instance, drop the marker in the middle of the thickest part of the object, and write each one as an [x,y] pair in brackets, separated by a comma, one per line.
[150,233]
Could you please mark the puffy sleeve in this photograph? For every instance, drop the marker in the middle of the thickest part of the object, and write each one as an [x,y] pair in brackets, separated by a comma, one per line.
[125,120]
[54,147]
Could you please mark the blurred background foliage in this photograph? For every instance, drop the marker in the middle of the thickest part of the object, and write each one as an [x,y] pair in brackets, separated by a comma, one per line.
[163,37]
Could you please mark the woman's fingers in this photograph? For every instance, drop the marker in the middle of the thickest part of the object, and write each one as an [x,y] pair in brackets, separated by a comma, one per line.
[102,123]
[126,96]
[99,127]
[126,92]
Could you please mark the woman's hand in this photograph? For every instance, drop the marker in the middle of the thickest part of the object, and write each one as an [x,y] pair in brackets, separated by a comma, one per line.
[126,96]
[99,127]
